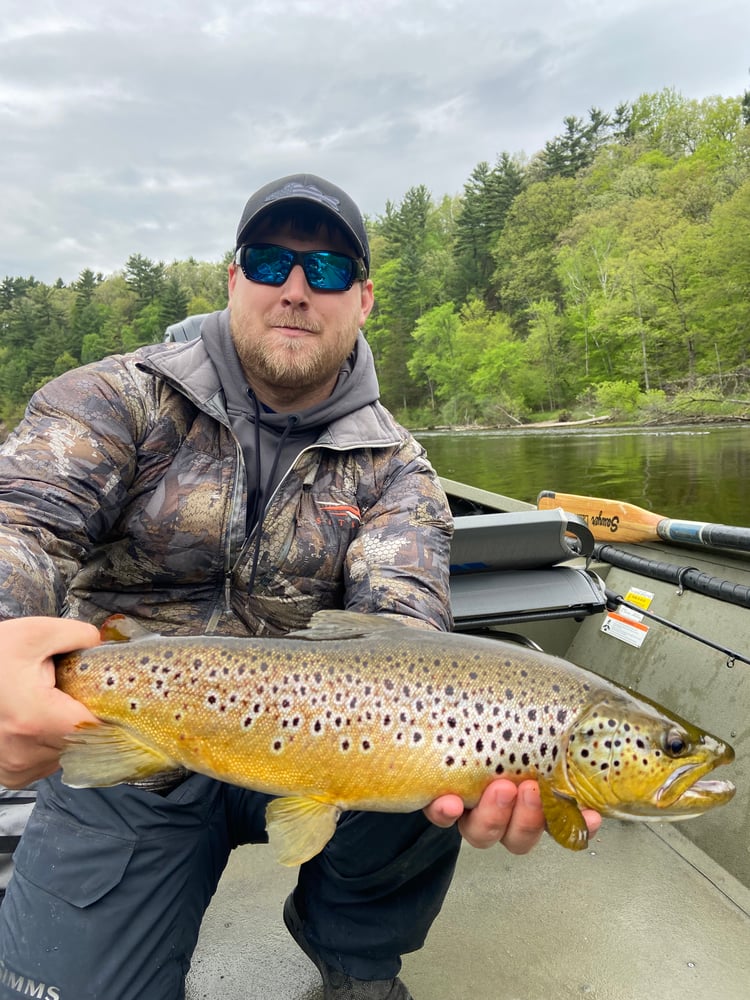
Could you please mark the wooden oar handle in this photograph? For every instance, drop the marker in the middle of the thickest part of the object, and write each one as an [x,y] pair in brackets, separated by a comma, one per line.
[608,520]
[618,521]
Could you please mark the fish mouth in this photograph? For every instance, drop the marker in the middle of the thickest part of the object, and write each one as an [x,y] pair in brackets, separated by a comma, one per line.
[683,795]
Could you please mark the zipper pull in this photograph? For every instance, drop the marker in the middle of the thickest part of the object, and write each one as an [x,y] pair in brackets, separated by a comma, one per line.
[227,593]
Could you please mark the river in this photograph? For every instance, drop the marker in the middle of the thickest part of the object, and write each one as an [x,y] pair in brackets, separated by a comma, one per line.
[698,473]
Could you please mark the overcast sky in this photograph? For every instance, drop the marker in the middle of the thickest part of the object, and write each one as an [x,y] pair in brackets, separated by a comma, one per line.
[132,127]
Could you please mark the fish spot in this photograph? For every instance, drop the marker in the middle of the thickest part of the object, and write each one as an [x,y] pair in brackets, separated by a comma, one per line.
[345,745]
[134,706]
[277,746]
[247,722]
[499,769]
[450,761]
[365,746]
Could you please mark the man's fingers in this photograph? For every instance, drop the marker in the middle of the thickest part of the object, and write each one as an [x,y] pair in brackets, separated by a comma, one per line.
[506,814]
[488,821]
[593,820]
[40,638]
[445,810]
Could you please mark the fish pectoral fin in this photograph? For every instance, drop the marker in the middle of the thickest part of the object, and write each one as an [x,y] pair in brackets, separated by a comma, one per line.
[101,754]
[564,819]
[299,827]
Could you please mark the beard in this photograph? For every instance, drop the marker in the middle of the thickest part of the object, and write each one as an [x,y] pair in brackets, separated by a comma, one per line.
[298,363]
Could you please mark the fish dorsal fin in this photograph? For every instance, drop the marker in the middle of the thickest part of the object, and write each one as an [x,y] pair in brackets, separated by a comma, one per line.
[337,624]
[120,628]
[102,754]
[299,827]
[564,819]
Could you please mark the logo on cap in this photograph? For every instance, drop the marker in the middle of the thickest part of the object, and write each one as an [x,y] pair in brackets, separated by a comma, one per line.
[296,190]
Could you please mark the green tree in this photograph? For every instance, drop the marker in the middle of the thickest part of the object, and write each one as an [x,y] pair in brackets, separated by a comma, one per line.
[525,252]
[487,198]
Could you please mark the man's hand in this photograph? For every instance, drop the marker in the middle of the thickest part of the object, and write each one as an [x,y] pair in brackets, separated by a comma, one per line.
[35,716]
[506,814]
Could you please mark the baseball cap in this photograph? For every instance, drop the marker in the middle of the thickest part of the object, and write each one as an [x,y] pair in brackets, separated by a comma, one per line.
[312,190]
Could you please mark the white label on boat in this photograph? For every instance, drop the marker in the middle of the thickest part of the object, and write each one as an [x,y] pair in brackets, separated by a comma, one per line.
[625,628]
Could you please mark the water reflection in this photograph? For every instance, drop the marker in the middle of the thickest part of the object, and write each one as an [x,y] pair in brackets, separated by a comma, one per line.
[700,473]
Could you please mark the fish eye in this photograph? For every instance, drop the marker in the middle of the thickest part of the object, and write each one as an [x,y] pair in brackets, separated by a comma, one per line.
[674,743]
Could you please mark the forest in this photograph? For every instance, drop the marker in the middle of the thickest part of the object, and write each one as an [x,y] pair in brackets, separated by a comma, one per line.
[608,274]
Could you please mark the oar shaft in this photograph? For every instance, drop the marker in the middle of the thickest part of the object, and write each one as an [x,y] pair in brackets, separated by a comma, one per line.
[721,536]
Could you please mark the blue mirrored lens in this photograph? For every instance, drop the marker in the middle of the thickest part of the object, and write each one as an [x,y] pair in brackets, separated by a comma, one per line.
[271,265]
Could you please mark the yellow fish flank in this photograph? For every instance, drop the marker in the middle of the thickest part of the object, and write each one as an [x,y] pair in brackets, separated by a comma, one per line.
[363,712]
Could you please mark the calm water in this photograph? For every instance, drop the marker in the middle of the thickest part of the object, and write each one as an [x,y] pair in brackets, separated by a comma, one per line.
[697,473]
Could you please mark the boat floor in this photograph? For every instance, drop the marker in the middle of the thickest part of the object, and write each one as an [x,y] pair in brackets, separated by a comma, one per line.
[643,913]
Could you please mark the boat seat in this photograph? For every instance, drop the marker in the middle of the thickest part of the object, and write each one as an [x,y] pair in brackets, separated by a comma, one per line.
[510,568]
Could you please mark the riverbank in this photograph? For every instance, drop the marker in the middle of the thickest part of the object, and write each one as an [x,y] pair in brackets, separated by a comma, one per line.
[671,420]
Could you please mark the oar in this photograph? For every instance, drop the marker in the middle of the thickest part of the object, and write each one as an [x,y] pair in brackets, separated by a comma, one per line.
[617,521]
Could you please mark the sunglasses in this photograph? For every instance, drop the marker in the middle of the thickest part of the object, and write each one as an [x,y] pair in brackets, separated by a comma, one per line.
[325,270]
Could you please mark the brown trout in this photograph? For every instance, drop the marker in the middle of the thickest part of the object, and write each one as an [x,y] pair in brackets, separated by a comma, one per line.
[363,712]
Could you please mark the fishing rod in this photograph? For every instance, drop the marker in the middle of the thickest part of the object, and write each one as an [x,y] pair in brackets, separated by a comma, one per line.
[624,522]
[615,600]
[686,578]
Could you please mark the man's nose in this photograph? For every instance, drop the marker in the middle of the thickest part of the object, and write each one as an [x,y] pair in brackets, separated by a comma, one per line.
[295,289]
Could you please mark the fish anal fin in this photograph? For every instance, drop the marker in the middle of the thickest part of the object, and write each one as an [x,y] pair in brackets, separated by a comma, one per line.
[299,827]
[565,821]
[101,754]
[120,628]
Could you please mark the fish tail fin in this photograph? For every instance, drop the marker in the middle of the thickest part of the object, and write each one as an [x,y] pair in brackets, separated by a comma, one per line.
[299,827]
[102,754]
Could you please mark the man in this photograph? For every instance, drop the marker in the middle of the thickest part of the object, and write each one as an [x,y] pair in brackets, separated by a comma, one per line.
[195,487]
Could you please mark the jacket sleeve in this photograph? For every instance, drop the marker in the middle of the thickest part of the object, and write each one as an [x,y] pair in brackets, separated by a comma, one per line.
[399,561]
[63,474]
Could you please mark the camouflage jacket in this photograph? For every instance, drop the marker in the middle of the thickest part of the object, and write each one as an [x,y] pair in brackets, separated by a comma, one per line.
[123,490]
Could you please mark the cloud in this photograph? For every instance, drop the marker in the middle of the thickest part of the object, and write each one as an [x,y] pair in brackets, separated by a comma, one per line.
[141,127]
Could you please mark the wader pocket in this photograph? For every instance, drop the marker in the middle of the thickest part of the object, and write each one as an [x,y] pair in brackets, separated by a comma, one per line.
[71,862]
